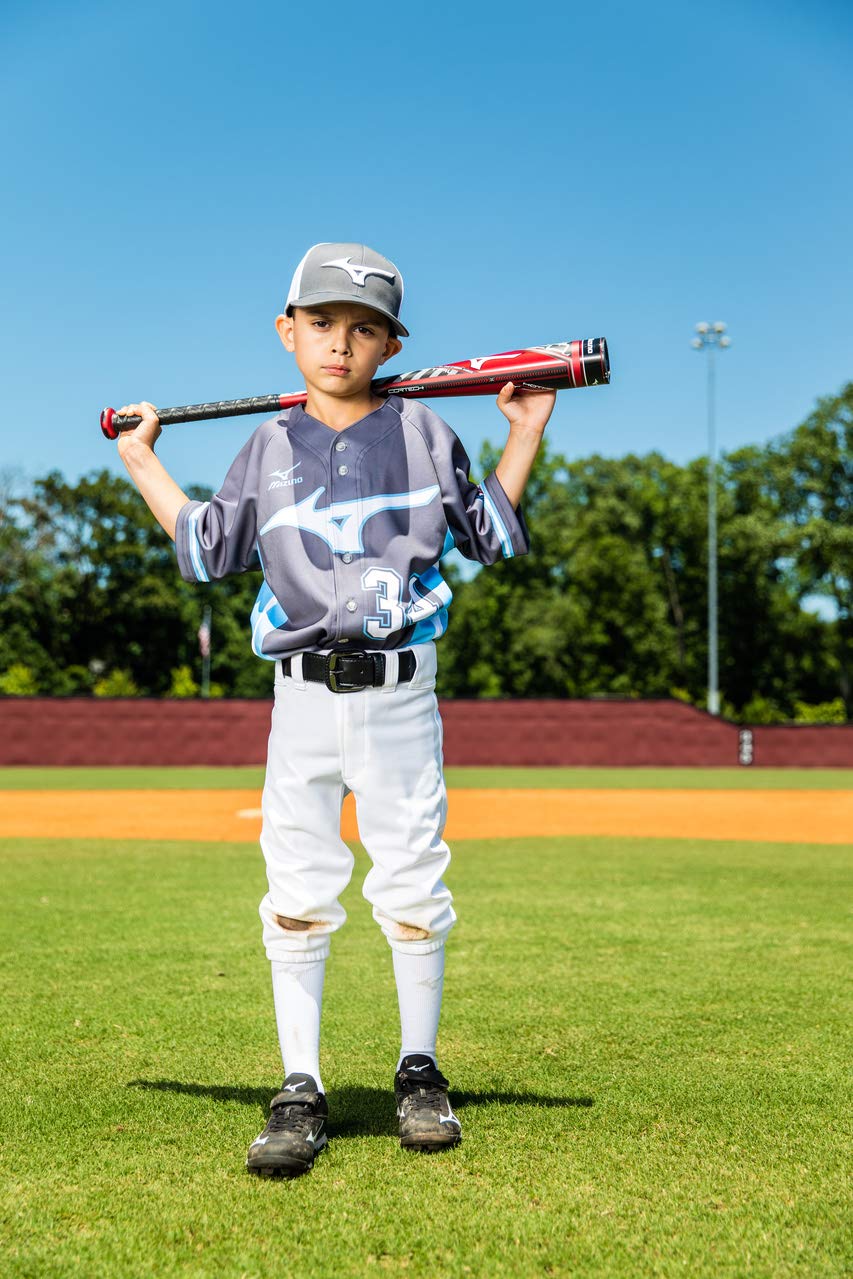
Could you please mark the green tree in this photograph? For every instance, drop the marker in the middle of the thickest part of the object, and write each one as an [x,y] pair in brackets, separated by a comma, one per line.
[612,599]
[813,474]
[18,681]
[96,586]
[823,713]
[117,683]
[113,597]
[183,685]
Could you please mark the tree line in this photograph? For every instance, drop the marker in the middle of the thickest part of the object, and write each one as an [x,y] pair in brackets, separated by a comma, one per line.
[611,601]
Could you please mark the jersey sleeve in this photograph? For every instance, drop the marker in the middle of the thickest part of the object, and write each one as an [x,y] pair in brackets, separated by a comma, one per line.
[482,521]
[215,538]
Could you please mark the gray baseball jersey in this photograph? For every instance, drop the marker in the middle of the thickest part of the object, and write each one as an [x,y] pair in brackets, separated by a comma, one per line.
[348,528]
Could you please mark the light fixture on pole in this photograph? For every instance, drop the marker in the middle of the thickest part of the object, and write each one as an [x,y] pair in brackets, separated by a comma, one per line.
[711,335]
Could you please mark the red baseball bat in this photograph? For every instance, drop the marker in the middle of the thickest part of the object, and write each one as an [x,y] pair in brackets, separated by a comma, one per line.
[559,366]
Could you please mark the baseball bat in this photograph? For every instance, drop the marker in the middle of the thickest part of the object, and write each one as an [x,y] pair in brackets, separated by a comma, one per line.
[558,366]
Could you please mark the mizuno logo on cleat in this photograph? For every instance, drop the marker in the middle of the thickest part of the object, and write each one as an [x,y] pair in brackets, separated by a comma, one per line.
[449,1118]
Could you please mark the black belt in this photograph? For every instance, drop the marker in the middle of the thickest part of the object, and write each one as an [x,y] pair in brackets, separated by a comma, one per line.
[351,672]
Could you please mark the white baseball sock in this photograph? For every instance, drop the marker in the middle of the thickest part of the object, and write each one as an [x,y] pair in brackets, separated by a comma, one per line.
[420,979]
[298,996]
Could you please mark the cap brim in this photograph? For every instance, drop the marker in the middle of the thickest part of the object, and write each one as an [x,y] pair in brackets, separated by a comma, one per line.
[317,299]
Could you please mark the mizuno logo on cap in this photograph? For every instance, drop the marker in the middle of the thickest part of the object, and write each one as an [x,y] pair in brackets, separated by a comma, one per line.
[359,274]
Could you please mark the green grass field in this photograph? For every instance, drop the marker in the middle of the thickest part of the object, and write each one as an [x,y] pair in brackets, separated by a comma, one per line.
[648,1041]
[548,778]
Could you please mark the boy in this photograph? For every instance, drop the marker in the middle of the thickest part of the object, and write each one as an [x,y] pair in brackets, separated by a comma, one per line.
[347,505]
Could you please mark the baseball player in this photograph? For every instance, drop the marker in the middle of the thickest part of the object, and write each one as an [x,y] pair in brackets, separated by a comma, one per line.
[347,506]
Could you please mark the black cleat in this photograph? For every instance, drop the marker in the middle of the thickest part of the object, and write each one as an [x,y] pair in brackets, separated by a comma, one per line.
[296,1132]
[423,1109]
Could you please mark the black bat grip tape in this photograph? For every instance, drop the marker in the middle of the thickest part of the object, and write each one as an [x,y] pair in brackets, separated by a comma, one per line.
[113,424]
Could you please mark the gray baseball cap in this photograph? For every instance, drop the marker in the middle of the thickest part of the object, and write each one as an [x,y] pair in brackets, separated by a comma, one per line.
[348,273]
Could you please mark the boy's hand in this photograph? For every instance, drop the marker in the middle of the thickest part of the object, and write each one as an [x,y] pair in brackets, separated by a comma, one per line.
[147,432]
[165,499]
[527,414]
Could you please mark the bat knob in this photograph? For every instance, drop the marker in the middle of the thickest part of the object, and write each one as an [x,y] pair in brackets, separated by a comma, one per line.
[107,427]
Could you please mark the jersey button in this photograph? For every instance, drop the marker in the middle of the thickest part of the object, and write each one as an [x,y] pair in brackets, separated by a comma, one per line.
[346,557]
[340,446]
[351,606]
[343,470]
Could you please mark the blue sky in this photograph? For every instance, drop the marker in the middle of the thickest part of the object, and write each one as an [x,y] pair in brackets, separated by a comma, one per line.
[537,174]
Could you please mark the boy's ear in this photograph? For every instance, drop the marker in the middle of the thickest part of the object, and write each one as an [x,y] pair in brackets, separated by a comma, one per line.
[392,347]
[284,329]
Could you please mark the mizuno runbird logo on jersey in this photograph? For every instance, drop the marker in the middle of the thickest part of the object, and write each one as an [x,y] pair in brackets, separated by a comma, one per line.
[285,479]
[340,524]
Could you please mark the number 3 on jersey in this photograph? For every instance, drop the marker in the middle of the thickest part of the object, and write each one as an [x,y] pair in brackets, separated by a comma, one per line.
[388,586]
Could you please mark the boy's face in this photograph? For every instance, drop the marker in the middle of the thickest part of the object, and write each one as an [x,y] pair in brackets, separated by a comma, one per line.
[338,346]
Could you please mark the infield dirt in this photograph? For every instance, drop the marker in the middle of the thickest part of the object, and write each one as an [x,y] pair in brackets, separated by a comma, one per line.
[785,816]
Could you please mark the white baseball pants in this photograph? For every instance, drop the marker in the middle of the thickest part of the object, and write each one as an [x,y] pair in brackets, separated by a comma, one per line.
[384,745]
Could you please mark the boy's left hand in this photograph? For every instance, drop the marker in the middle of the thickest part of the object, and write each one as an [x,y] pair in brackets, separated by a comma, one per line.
[527,414]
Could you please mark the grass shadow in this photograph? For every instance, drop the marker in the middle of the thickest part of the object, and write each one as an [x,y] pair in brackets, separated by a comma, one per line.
[219,1092]
[357,1111]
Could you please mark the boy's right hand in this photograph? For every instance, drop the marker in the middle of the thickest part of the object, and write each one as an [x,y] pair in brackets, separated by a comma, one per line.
[147,432]
[165,499]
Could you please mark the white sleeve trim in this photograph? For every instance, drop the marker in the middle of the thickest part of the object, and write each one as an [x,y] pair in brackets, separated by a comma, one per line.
[498,524]
[193,543]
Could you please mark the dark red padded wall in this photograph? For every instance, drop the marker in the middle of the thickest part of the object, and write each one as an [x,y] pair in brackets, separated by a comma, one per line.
[585,733]
[132,731]
[66,731]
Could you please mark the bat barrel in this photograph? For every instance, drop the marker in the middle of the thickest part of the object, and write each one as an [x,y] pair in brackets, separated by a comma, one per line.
[559,366]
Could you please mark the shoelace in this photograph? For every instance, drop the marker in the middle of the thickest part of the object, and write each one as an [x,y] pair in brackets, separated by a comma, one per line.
[290,1117]
[427,1094]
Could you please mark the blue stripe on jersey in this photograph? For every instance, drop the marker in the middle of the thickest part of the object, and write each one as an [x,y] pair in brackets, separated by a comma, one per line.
[267,616]
[430,594]
[194,545]
[431,580]
[498,525]
[449,543]
[431,628]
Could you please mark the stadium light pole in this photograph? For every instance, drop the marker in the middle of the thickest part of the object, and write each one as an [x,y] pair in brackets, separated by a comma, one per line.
[710,336]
